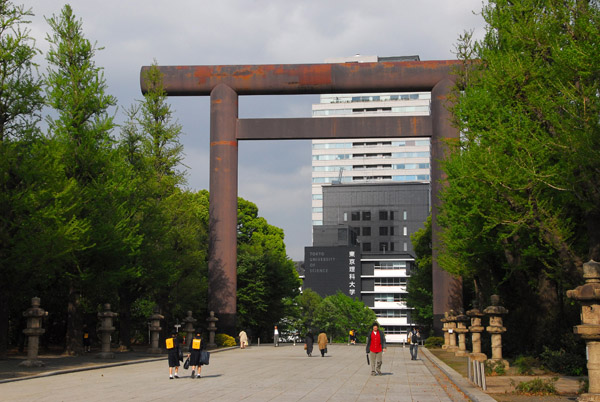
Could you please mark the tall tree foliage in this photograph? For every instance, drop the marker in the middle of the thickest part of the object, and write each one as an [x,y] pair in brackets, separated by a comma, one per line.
[420,287]
[76,91]
[20,104]
[522,209]
[266,276]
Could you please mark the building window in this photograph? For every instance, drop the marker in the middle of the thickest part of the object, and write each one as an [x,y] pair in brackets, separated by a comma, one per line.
[405,231]
[383,247]
[383,215]
[388,297]
[392,246]
[356,230]
[390,281]
[405,215]
[391,230]
[391,215]
[317,209]
[366,215]
[383,231]
[366,231]
[366,247]
[345,216]
[405,246]
[355,216]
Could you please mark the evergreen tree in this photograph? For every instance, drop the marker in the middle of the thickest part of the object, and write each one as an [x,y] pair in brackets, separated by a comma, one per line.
[76,91]
[521,212]
[20,104]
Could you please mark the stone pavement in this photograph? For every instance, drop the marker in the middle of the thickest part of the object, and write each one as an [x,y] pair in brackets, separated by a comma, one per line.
[262,373]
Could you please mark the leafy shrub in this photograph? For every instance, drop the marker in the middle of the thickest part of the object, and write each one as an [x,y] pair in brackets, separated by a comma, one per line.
[496,368]
[560,361]
[434,342]
[537,386]
[525,364]
[224,340]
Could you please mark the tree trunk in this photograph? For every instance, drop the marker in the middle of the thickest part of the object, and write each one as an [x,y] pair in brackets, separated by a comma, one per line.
[74,336]
[4,319]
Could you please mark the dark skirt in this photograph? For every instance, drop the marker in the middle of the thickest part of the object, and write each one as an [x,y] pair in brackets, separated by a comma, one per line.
[173,359]
[195,358]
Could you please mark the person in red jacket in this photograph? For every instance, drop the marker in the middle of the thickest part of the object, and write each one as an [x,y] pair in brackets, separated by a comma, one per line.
[375,348]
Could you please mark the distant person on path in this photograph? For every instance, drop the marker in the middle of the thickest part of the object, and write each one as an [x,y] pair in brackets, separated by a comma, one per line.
[352,337]
[322,340]
[243,339]
[172,345]
[309,339]
[87,341]
[276,336]
[196,345]
[414,337]
[375,348]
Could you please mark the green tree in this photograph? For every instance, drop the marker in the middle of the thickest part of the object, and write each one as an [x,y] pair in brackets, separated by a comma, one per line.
[20,104]
[76,91]
[339,313]
[308,303]
[521,212]
[267,278]
[420,288]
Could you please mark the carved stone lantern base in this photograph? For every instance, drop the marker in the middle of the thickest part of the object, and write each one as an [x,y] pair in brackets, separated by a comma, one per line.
[480,357]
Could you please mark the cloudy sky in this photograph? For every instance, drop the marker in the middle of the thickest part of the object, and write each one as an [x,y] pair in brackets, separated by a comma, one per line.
[275,175]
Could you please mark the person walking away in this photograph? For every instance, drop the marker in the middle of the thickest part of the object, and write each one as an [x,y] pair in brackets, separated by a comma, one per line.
[172,345]
[243,339]
[309,340]
[87,342]
[322,340]
[413,339]
[276,336]
[196,345]
[375,348]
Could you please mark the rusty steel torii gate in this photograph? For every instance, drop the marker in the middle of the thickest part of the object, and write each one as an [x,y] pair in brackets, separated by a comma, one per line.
[225,83]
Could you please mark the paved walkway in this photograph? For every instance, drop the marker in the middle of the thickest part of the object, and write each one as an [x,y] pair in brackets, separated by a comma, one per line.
[262,373]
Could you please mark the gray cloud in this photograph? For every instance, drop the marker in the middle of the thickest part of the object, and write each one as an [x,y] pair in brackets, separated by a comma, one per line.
[274,175]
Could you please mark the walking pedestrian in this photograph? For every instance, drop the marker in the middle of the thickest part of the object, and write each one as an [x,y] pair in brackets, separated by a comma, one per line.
[309,339]
[173,350]
[276,336]
[375,348]
[414,337]
[243,339]
[87,342]
[196,346]
[322,340]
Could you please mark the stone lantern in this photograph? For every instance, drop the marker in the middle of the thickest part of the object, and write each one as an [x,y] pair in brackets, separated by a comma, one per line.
[476,329]
[106,329]
[495,312]
[34,330]
[461,330]
[155,329]
[445,329]
[589,330]
[212,329]
[189,328]
[451,322]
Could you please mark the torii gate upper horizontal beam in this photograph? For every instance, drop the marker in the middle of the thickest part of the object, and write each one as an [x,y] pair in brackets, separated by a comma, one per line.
[281,79]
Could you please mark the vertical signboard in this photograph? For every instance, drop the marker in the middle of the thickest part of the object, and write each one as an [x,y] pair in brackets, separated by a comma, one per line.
[328,270]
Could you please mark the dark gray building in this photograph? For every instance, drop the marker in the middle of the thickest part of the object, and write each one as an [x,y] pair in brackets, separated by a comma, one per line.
[372,222]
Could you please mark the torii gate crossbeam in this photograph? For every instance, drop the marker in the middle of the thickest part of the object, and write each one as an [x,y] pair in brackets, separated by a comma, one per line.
[225,83]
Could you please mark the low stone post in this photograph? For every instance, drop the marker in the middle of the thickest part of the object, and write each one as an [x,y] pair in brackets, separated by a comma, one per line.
[189,328]
[461,330]
[155,329]
[452,345]
[445,329]
[495,312]
[589,330]
[34,330]
[212,329]
[106,329]
[476,329]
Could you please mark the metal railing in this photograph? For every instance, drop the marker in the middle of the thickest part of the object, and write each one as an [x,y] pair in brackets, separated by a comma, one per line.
[476,373]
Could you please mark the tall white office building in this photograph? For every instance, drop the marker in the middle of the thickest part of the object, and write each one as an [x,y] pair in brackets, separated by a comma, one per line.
[382,230]
[369,159]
